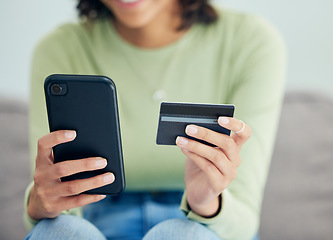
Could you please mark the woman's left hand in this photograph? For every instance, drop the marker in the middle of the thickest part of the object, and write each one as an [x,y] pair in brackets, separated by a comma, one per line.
[209,170]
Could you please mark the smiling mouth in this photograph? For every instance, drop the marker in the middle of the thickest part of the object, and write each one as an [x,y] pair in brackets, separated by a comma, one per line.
[129,1]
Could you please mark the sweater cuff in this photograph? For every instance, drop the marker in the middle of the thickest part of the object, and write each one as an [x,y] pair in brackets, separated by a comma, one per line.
[29,223]
[206,221]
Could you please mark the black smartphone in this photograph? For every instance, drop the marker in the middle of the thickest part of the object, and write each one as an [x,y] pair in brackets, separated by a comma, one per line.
[88,105]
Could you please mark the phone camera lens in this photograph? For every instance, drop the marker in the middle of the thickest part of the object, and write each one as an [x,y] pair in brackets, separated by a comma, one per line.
[56,89]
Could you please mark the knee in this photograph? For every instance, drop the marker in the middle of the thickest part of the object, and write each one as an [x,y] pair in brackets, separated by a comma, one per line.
[65,227]
[180,229]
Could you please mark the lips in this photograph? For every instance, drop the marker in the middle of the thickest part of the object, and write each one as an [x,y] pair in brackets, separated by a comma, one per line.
[129,3]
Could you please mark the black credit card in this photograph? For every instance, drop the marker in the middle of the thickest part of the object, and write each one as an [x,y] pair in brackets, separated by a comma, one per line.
[174,117]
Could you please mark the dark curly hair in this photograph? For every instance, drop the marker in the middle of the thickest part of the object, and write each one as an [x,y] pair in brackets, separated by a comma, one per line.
[192,11]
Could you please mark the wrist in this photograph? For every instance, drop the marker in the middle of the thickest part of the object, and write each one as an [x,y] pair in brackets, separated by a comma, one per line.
[34,212]
[30,206]
[208,210]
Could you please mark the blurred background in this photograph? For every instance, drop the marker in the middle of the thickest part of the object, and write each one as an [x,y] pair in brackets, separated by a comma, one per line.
[298,201]
[305,25]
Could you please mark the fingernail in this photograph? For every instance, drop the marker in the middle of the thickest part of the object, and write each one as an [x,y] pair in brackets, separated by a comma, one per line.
[101,163]
[191,130]
[181,141]
[100,197]
[223,120]
[109,178]
[70,134]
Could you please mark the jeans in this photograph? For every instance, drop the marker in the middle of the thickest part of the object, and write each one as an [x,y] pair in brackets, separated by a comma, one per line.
[130,216]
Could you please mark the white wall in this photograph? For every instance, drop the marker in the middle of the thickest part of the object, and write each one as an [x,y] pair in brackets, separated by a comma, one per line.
[306,25]
[22,24]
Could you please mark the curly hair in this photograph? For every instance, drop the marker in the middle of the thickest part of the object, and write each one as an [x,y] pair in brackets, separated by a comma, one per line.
[192,11]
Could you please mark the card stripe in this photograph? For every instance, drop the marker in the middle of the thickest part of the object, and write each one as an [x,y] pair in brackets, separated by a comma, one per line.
[189,120]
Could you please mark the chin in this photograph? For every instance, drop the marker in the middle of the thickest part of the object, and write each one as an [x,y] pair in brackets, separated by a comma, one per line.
[139,13]
[133,21]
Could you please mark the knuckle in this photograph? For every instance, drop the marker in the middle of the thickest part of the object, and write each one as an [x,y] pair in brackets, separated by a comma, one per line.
[216,157]
[60,169]
[229,143]
[72,187]
[203,133]
[40,143]
[209,168]
[79,201]
[39,177]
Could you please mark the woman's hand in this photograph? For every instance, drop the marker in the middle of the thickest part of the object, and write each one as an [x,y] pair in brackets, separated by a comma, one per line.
[49,196]
[209,170]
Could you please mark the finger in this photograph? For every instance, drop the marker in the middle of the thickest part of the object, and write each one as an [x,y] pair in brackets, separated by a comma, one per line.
[47,142]
[242,131]
[79,200]
[66,168]
[226,143]
[212,172]
[214,155]
[75,187]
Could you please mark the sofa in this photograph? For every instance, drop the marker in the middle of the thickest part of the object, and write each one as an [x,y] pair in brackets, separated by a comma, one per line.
[298,200]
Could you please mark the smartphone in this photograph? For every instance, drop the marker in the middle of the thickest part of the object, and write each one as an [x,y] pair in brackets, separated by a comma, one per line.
[174,117]
[88,105]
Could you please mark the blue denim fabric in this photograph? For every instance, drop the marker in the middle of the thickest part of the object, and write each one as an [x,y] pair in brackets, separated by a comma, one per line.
[130,216]
[65,227]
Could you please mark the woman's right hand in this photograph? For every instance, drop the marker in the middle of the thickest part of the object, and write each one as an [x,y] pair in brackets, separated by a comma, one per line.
[49,196]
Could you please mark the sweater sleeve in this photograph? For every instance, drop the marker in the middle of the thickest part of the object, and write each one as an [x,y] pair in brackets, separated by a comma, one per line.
[257,89]
[50,56]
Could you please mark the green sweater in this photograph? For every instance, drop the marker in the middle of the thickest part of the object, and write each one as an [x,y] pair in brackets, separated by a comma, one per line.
[240,60]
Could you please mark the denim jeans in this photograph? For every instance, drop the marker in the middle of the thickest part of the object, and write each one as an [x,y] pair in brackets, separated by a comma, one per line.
[130,216]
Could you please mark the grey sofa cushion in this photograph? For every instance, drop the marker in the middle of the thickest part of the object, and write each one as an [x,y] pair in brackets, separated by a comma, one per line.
[298,202]
[14,167]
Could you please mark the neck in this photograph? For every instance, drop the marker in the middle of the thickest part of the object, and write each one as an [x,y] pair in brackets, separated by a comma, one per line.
[157,33]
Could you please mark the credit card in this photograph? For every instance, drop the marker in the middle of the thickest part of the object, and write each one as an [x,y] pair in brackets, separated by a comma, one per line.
[174,117]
